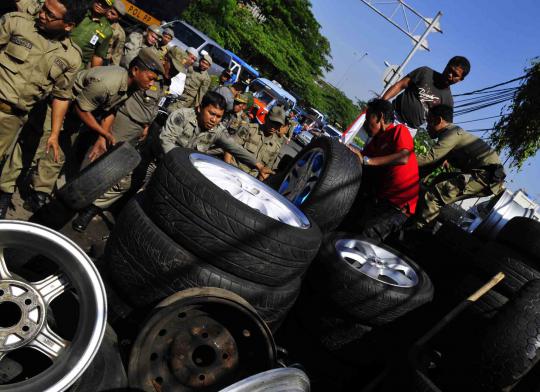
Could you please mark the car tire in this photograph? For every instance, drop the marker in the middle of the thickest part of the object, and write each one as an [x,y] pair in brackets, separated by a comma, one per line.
[509,346]
[106,372]
[330,198]
[372,301]
[522,234]
[145,266]
[493,258]
[95,179]
[212,224]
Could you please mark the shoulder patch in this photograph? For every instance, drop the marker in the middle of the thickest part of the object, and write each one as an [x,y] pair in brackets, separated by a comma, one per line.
[18,40]
[63,66]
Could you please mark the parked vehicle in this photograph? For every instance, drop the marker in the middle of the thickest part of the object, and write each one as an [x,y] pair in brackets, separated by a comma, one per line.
[312,112]
[266,94]
[246,72]
[304,138]
[331,131]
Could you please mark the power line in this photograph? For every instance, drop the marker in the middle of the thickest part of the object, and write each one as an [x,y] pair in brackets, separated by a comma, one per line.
[491,87]
[479,119]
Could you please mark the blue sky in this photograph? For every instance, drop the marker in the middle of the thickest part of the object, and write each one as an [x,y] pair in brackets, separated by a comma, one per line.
[498,37]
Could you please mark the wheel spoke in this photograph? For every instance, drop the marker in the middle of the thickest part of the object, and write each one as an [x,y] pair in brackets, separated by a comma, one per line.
[370,270]
[399,278]
[4,272]
[51,287]
[49,343]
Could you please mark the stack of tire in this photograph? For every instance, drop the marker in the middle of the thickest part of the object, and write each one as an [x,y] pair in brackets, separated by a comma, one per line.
[185,231]
[324,180]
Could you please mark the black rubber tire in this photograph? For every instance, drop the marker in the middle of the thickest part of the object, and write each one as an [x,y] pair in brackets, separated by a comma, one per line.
[55,215]
[106,372]
[523,234]
[367,300]
[94,180]
[509,347]
[493,258]
[334,194]
[225,232]
[146,266]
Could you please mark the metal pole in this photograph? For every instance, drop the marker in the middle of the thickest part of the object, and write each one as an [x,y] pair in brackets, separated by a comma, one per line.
[413,51]
[398,26]
[348,69]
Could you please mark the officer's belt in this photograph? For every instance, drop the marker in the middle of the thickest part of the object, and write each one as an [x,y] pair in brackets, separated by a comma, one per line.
[8,108]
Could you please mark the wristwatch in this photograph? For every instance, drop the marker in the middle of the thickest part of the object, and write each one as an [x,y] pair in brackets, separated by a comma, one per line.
[365,160]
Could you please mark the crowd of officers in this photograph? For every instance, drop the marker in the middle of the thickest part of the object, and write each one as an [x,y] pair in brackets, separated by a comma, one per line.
[69,72]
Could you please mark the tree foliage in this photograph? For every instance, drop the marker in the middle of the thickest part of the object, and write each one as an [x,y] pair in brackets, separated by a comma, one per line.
[287,47]
[518,132]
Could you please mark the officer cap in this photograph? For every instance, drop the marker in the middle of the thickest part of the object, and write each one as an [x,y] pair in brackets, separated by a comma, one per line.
[242,98]
[277,114]
[193,51]
[177,56]
[150,58]
[208,58]
[120,7]
[168,31]
[156,29]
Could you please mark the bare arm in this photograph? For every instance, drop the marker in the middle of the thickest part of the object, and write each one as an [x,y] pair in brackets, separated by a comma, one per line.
[397,88]
[96,61]
[90,121]
[395,159]
[59,110]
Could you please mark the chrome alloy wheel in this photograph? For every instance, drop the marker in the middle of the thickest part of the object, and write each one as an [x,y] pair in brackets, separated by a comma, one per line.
[25,308]
[303,176]
[249,190]
[275,380]
[377,263]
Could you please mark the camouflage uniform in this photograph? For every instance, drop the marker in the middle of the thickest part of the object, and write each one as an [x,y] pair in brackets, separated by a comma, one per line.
[480,172]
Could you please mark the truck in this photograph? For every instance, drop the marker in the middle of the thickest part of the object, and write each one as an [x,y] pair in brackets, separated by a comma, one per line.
[266,94]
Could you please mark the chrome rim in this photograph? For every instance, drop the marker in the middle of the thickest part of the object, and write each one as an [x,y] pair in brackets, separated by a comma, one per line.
[275,380]
[304,176]
[377,263]
[26,307]
[249,190]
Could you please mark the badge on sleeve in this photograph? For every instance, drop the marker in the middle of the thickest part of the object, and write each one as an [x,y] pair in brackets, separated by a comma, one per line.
[94,39]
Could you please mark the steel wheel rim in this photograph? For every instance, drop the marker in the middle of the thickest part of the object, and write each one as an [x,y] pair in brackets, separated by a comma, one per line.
[303,177]
[275,380]
[70,359]
[377,263]
[249,190]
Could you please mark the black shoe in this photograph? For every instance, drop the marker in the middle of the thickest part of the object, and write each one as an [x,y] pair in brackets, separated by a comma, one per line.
[35,201]
[81,222]
[5,203]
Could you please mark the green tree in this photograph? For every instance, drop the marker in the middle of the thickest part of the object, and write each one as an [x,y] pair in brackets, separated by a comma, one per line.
[518,133]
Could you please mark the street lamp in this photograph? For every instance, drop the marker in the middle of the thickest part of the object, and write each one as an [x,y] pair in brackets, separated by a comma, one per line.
[343,78]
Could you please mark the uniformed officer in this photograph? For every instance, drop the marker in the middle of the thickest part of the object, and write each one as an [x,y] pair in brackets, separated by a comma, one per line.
[94,34]
[287,130]
[230,92]
[163,45]
[37,59]
[197,83]
[263,141]
[98,91]
[201,130]
[118,40]
[480,172]
[136,41]
[31,7]
[221,80]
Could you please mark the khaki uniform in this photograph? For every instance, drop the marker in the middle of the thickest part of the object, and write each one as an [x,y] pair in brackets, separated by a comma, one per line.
[116,46]
[136,113]
[480,172]
[197,84]
[135,42]
[162,50]
[32,67]
[92,36]
[31,7]
[237,125]
[182,130]
[265,148]
[100,88]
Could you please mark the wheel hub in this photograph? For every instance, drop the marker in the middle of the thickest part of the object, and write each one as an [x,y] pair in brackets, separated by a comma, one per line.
[23,314]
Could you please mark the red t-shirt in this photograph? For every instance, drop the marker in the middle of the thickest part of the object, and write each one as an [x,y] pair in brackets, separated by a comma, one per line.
[397,184]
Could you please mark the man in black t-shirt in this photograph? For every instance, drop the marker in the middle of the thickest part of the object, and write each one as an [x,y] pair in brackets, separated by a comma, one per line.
[424,89]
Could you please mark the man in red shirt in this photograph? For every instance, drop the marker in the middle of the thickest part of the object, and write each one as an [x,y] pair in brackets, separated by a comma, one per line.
[390,182]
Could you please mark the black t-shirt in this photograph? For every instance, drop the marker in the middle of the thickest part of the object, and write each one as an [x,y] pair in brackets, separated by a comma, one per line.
[413,104]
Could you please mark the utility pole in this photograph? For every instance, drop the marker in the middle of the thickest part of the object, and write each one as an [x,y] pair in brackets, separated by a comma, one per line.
[420,42]
[343,78]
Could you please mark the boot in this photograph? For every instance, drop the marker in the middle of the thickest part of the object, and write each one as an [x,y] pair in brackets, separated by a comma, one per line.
[5,203]
[81,222]
[35,201]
